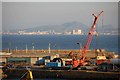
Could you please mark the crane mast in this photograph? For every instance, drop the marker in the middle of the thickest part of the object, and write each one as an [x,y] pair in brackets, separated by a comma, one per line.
[89,39]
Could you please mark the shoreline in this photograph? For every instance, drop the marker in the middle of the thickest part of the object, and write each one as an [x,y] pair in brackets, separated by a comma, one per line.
[90,53]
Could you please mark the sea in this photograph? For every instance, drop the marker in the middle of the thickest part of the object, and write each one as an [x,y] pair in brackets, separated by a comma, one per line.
[59,42]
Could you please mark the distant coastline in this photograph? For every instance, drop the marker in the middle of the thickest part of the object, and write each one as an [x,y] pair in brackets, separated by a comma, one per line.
[35,33]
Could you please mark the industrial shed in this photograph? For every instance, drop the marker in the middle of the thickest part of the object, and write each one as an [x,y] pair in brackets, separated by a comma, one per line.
[28,58]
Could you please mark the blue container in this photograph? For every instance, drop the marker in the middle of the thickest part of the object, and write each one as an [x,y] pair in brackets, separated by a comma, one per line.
[53,64]
[41,61]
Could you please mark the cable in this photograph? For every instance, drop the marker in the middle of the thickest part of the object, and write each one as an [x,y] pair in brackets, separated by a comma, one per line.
[103,28]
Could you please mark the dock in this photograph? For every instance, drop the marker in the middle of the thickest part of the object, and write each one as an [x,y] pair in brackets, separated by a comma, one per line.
[64,74]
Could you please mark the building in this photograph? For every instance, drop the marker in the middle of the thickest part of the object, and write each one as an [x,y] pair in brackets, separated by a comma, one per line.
[79,31]
[18,58]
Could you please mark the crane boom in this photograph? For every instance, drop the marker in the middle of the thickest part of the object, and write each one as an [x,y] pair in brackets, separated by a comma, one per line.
[90,34]
[89,39]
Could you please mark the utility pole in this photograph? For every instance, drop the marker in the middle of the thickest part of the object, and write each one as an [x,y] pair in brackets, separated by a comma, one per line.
[26,48]
[33,48]
[49,48]
[16,49]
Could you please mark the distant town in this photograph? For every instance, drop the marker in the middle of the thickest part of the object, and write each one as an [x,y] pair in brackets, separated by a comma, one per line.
[53,32]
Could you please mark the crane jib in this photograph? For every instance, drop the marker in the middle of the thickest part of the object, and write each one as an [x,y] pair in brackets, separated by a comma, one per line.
[89,39]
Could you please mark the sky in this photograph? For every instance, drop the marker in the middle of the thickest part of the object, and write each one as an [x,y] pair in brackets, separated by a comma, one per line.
[0,16]
[22,15]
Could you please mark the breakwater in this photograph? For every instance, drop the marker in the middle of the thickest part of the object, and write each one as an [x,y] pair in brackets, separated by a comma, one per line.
[90,53]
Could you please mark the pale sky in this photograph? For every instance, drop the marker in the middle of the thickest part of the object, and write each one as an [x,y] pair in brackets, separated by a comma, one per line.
[0,16]
[21,15]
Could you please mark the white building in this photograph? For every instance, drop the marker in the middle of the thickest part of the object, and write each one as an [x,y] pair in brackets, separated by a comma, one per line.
[79,31]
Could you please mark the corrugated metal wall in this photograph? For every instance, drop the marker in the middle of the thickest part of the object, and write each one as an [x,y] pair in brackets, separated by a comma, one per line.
[16,59]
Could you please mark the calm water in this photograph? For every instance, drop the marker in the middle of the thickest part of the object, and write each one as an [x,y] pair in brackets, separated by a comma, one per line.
[110,43]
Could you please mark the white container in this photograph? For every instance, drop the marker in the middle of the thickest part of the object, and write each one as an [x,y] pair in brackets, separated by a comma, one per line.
[115,61]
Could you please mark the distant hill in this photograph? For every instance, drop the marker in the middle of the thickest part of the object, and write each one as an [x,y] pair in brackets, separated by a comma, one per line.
[60,28]
[69,27]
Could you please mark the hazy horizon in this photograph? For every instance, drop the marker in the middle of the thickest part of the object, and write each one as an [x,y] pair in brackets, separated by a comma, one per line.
[22,15]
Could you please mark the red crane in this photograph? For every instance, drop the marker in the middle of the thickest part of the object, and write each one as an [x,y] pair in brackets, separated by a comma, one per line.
[75,62]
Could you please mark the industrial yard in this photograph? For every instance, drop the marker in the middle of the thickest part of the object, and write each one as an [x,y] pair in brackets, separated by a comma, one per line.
[19,59]
[31,57]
